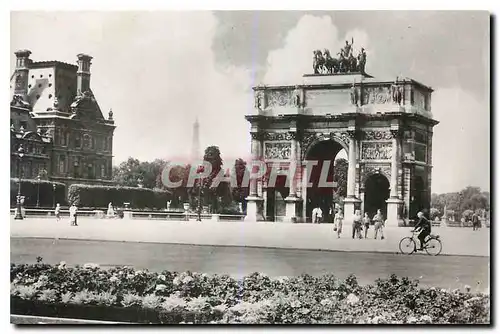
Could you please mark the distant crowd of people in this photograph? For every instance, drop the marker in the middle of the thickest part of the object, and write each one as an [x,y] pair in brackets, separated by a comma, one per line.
[360,225]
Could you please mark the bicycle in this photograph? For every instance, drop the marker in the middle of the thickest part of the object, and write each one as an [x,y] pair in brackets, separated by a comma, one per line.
[432,244]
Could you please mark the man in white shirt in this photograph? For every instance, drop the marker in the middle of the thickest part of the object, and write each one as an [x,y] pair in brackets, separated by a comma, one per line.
[317,215]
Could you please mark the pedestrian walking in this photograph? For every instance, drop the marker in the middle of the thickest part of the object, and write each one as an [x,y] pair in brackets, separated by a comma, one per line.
[57,212]
[475,221]
[356,225]
[331,214]
[111,212]
[379,224]
[317,214]
[366,223]
[338,220]
[72,214]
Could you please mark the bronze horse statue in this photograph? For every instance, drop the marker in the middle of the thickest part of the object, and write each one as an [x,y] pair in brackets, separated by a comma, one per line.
[318,62]
[332,65]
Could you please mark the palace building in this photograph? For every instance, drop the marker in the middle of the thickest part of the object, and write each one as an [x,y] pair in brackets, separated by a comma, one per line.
[57,121]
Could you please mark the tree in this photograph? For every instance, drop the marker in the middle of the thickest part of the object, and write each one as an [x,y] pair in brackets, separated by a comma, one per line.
[240,192]
[212,156]
[434,213]
[133,172]
[127,174]
[470,198]
[179,194]
[340,176]
[150,173]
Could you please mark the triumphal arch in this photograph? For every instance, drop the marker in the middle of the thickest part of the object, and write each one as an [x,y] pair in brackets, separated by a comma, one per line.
[385,126]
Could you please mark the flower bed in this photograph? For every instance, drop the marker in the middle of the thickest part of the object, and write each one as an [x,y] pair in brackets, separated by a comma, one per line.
[126,294]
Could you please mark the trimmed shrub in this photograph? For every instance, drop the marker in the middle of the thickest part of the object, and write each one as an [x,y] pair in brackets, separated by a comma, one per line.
[29,189]
[96,196]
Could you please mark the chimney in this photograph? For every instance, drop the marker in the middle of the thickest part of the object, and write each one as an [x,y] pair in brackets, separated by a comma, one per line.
[83,74]
[22,71]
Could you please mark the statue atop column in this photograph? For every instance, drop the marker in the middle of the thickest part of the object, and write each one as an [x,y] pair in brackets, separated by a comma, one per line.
[362,60]
[354,95]
[296,97]
[397,92]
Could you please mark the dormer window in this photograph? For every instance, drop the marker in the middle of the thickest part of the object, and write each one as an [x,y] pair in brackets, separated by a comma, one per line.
[87,141]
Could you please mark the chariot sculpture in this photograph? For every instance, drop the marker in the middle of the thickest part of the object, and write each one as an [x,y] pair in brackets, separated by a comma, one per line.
[324,63]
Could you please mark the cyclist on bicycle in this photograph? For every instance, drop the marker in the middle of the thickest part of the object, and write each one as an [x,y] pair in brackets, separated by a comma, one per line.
[425,229]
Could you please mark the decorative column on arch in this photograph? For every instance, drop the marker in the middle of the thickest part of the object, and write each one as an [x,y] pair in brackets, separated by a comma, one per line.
[350,202]
[292,200]
[394,202]
[254,201]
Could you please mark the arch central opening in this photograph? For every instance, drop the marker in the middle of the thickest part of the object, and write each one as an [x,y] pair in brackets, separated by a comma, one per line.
[377,192]
[328,155]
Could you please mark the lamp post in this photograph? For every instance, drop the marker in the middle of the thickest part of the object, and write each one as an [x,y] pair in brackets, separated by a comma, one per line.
[38,191]
[199,199]
[53,195]
[20,154]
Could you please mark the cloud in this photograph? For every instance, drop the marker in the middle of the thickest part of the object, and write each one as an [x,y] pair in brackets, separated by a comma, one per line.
[156,70]
[287,64]
[461,142]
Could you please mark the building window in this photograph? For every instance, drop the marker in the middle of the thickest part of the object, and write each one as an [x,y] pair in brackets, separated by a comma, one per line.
[28,172]
[103,169]
[90,171]
[98,143]
[78,142]
[87,141]
[76,167]
[62,164]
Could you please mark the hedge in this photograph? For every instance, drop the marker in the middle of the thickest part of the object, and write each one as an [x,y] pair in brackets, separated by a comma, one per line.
[96,196]
[29,189]
[127,294]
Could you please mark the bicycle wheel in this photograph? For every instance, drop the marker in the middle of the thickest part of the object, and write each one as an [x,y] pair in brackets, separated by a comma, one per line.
[407,245]
[433,247]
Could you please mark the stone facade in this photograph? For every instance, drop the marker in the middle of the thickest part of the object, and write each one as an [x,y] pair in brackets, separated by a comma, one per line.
[56,118]
[384,126]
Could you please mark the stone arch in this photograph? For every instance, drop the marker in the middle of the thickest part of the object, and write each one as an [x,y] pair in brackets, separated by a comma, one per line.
[375,193]
[311,140]
[367,174]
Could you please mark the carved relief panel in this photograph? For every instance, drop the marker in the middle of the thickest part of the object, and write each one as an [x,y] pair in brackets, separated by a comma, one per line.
[279,98]
[277,151]
[377,95]
[376,135]
[276,136]
[376,151]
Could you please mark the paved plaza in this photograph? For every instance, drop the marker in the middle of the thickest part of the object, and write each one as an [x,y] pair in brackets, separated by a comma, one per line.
[441,271]
[456,241]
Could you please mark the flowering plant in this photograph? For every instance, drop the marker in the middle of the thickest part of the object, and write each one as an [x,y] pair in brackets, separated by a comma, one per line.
[201,298]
